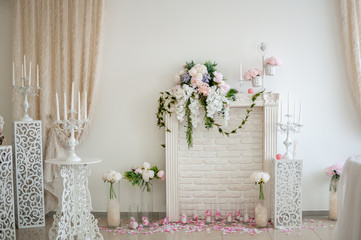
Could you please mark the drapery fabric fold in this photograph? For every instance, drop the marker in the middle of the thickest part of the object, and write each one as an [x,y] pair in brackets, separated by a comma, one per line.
[351,24]
[64,37]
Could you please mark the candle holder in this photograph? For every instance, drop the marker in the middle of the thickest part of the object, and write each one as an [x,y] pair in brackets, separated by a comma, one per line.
[71,126]
[26,90]
[288,128]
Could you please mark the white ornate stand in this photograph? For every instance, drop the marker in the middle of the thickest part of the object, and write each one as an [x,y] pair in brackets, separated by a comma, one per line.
[29,174]
[75,218]
[287,193]
[7,213]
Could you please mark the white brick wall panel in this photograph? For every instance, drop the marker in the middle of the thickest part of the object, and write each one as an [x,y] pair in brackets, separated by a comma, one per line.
[216,188]
[203,181]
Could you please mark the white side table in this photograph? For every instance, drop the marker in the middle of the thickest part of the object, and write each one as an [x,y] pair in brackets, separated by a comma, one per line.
[287,193]
[75,218]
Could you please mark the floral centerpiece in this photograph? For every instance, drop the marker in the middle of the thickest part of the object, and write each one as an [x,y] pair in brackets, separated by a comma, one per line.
[334,172]
[143,176]
[254,75]
[270,65]
[113,214]
[261,218]
[201,93]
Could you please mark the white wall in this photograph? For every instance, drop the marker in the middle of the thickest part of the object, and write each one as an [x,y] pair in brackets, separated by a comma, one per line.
[146,42]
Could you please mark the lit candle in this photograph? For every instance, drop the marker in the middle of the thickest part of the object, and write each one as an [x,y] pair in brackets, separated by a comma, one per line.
[57,107]
[85,106]
[65,110]
[289,103]
[240,71]
[24,66]
[78,105]
[30,74]
[13,74]
[72,96]
[37,76]
[299,117]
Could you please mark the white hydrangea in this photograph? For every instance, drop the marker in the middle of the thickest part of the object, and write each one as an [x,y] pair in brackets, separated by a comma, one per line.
[194,107]
[182,94]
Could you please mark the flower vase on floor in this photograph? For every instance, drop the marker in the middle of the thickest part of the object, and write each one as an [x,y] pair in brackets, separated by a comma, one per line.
[146,206]
[113,210]
[334,172]
[261,218]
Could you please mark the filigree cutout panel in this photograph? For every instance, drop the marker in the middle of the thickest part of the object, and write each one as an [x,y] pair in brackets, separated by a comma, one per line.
[287,193]
[29,174]
[7,213]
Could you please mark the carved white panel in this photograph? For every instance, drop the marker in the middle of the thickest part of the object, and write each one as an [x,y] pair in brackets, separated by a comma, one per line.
[269,101]
[29,174]
[287,194]
[7,213]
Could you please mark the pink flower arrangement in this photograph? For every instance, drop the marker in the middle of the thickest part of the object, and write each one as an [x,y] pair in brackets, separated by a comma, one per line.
[273,61]
[204,88]
[252,73]
[335,169]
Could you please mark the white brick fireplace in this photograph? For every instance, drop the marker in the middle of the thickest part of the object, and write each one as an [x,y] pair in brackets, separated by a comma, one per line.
[217,169]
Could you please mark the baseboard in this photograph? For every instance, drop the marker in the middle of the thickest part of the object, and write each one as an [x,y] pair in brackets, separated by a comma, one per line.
[309,213]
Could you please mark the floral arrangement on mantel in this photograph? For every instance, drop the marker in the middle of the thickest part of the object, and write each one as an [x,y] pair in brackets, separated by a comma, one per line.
[252,73]
[143,176]
[260,178]
[334,172]
[201,90]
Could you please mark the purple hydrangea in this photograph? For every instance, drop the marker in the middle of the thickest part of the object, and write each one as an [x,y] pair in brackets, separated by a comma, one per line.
[206,78]
[185,78]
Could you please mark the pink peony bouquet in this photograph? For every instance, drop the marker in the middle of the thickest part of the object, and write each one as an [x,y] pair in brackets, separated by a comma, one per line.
[334,172]
[273,61]
[143,176]
[252,73]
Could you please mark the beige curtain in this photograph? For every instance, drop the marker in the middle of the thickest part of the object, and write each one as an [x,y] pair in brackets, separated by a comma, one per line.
[351,23]
[64,37]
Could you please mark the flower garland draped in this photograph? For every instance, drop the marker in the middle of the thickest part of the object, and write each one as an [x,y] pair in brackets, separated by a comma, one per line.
[200,88]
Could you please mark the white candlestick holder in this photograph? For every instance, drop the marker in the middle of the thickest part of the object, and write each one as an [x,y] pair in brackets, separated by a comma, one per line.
[70,127]
[288,128]
[26,90]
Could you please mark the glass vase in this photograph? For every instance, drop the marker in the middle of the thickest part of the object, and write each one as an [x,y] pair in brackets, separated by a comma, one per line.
[113,209]
[332,214]
[260,212]
[146,206]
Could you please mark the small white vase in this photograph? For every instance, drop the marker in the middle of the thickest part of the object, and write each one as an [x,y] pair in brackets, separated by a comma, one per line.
[270,70]
[257,81]
[113,215]
[261,218]
[332,214]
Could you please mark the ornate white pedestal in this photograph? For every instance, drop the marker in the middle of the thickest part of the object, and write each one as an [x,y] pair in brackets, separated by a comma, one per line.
[7,213]
[287,193]
[74,218]
[29,174]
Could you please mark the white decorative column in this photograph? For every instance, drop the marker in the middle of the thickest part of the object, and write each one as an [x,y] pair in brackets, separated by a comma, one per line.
[287,194]
[75,218]
[7,213]
[29,174]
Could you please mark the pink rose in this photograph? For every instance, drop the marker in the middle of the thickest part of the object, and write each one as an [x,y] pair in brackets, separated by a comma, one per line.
[218,77]
[253,72]
[204,88]
[161,174]
[259,72]
[224,86]
[194,82]
[247,76]
[273,61]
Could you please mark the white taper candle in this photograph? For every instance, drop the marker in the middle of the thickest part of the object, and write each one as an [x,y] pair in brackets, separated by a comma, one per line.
[22,70]
[13,74]
[299,116]
[72,96]
[37,76]
[30,74]
[85,106]
[281,117]
[57,107]
[24,66]
[240,71]
[65,110]
[78,105]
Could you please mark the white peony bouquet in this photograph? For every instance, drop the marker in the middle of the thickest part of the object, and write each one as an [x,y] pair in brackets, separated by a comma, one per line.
[143,176]
[260,178]
[112,177]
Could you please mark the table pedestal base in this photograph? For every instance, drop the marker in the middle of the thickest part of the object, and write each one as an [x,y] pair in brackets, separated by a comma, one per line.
[75,218]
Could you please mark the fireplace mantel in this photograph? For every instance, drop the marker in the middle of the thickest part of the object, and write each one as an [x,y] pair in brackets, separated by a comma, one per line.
[269,101]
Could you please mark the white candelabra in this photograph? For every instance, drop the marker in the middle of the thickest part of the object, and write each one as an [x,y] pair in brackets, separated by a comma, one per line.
[72,125]
[289,127]
[26,88]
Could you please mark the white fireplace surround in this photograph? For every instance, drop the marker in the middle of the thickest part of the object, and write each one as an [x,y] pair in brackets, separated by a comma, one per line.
[269,101]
